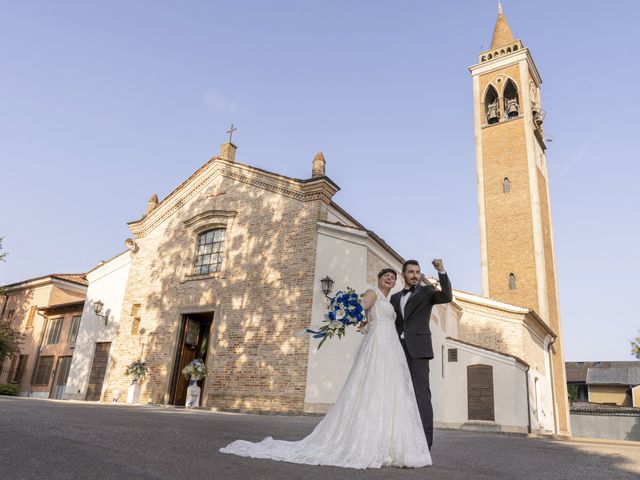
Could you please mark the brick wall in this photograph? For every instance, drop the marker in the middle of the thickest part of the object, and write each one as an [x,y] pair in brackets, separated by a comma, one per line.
[260,299]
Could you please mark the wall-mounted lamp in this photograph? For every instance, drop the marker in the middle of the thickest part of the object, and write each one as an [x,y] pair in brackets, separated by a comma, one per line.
[327,285]
[97,309]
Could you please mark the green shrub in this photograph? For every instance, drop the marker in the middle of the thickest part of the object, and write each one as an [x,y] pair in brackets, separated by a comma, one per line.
[9,390]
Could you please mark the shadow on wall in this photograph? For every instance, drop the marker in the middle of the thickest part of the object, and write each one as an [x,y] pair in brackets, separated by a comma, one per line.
[20,304]
[634,433]
[262,297]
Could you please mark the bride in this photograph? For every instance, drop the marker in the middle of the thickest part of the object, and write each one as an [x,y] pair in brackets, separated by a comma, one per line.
[375,420]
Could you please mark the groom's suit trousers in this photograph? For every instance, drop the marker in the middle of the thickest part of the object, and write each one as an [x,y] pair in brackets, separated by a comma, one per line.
[419,368]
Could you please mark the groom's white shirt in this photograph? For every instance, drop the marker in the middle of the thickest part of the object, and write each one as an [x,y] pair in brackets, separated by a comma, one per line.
[403,301]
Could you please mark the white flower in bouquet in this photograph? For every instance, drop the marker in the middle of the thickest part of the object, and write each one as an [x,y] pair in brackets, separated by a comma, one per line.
[344,309]
[196,369]
[137,370]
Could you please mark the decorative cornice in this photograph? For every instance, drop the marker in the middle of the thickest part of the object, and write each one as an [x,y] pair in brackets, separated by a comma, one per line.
[322,189]
[208,215]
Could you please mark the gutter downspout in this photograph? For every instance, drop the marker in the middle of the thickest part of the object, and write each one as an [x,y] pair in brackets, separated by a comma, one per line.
[38,350]
[553,388]
[526,376]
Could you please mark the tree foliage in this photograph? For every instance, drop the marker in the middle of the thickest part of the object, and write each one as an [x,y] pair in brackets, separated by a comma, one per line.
[635,347]
[2,255]
[10,341]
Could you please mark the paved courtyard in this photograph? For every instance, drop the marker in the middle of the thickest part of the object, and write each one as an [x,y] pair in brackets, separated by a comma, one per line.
[42,439]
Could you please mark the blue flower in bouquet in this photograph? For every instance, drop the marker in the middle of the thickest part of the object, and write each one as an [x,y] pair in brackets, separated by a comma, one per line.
[344,310]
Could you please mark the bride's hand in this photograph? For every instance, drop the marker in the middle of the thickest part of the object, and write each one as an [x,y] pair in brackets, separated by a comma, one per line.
[362,325]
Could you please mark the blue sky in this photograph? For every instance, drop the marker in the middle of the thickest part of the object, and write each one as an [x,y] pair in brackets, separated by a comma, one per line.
[105,103]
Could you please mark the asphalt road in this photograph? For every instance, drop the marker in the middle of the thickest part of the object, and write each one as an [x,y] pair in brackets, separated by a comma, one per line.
[43,439]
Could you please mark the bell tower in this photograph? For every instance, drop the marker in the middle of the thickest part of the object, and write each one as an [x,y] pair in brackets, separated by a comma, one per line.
[518,265]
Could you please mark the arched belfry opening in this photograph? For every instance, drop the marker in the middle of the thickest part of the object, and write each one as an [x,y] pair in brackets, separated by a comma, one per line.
[511,100]
[492,108]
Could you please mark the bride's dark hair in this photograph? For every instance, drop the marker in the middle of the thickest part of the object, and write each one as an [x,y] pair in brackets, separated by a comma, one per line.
[387,270]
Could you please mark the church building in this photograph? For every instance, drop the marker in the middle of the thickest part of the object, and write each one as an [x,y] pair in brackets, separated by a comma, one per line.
[229,268]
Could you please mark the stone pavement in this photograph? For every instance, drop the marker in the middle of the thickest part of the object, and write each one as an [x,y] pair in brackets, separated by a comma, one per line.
[45,439]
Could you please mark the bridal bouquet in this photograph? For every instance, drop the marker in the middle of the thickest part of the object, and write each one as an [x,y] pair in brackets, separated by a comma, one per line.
[344,310]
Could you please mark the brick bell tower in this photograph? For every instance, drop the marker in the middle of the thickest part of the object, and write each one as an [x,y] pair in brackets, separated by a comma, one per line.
[516,237]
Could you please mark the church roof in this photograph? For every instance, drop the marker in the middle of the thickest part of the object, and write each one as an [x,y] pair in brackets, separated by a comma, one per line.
[481,347]
[501,33]
[77,278]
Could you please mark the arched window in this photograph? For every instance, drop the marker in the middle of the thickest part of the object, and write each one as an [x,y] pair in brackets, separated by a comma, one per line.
[492,108]
[512,281]
[506,185]
[511,101]
[209,251]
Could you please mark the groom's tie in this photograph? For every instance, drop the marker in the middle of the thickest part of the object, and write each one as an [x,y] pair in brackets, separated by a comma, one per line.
[408,290]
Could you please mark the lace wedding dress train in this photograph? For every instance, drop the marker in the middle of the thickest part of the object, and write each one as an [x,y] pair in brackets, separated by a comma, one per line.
[375,420]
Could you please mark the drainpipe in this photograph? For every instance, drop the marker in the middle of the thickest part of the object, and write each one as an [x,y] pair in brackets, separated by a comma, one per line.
[553,388]
[38,350]
[526,376]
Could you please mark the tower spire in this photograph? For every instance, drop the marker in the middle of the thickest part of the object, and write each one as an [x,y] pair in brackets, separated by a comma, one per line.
[501,33]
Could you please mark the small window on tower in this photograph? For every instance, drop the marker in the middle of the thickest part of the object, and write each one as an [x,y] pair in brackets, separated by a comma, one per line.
[506,185]
[512,281]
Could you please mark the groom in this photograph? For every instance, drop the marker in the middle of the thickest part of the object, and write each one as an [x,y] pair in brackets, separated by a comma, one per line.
[413,311]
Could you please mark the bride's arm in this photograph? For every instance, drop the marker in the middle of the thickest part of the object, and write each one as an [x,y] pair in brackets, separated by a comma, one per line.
[367,300]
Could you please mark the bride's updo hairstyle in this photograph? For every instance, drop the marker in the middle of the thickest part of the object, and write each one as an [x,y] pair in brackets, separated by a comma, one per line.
[387,270]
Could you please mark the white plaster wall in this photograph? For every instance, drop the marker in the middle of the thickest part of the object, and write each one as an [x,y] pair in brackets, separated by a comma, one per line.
[341,254]
[509,388]
[346,262]
[541,401]
[606,426]
[107,284]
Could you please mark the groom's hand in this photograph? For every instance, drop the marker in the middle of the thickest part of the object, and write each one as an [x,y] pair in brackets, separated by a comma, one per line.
[438,265]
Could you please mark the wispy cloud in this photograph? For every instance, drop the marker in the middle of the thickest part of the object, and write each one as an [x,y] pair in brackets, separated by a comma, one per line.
[583,149]
[217,102]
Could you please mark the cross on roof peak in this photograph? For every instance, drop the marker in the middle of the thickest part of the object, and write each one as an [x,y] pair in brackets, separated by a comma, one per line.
[230,132]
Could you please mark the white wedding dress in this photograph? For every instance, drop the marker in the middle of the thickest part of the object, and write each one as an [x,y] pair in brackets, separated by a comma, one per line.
[375,420]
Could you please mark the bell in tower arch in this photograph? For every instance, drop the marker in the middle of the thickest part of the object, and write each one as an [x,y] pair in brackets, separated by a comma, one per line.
[492,106]
[511,103]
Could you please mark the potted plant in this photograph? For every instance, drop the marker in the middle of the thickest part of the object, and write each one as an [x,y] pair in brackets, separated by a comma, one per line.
[137,371]
[196,370]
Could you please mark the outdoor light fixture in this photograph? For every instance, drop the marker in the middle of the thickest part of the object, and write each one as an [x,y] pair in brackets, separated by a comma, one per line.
[97,309]
[327,285]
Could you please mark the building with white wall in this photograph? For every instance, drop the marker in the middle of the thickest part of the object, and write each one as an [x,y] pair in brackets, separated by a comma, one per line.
[91,357]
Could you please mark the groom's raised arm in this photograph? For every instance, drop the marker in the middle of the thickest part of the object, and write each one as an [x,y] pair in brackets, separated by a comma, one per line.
[444,295]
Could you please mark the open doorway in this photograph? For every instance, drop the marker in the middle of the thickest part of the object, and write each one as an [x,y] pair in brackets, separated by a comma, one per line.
[193,342]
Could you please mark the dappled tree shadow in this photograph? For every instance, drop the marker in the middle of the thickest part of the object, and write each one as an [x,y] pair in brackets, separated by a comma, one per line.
[261,297]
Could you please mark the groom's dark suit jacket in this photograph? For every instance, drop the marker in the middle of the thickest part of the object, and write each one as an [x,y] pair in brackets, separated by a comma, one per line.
[417,312]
